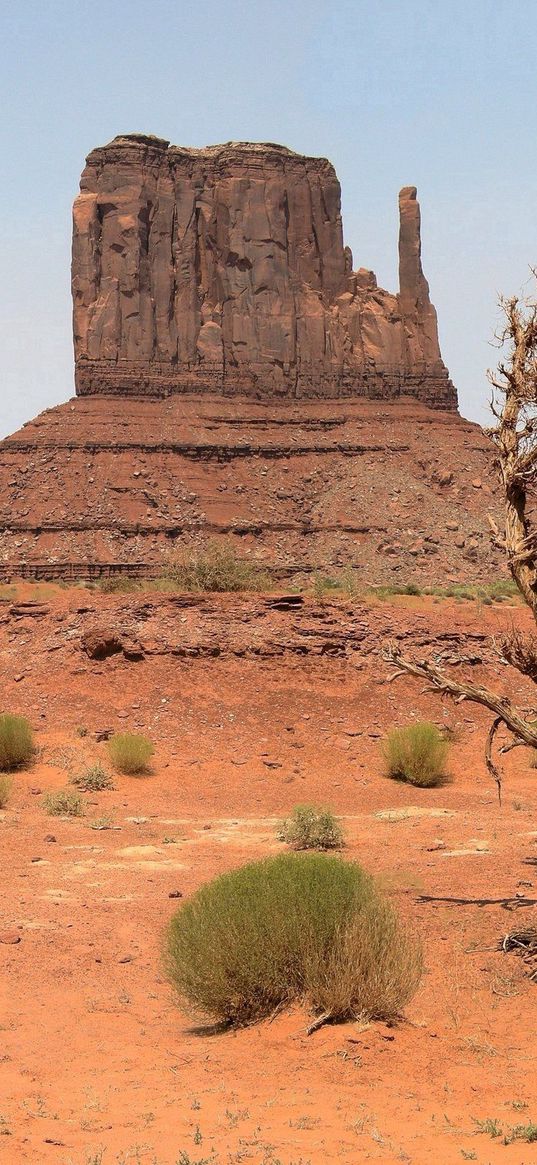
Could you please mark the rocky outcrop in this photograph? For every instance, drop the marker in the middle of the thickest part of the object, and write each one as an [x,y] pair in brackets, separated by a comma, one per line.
[111,485]
[223,270]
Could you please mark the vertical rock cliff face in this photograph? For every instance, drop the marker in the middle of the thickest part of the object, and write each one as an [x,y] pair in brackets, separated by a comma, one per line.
[224,270]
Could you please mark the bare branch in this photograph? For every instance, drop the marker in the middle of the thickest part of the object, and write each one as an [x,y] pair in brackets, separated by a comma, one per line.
[442,682]
[514,406]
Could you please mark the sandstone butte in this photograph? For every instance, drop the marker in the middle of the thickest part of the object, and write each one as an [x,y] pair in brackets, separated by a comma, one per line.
[236,377]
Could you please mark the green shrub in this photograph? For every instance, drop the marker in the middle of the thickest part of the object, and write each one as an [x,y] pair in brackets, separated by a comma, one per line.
[16,741]
[130,753]
[527,1133]
[349,582]
[93,778]
[417,754]
[305,927]
[5,790]
[117,585]
[308,827]
[323,584]
[217,568]
[64,803]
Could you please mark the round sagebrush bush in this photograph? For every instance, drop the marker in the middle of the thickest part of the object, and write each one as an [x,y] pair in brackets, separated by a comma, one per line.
[216,568]
[297,927]
[417,754]
[308,827]
[16,741]
[130,752]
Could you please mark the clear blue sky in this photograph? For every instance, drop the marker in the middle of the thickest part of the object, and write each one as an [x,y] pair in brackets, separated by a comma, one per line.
[437,93]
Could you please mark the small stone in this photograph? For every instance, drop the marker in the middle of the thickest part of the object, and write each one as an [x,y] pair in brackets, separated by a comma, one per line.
[103,734]
[175,894]
[125,959]
[49,838]
[10,937]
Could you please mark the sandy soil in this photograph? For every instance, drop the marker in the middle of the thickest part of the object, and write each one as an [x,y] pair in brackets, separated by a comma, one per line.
[97,1063]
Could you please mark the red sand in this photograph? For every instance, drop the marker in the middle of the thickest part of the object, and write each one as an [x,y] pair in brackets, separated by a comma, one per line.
[95,1054]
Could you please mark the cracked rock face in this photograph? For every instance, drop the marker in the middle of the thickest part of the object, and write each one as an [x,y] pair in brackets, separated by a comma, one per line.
[224,270]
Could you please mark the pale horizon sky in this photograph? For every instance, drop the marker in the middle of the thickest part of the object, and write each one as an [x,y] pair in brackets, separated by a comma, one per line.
[440,94]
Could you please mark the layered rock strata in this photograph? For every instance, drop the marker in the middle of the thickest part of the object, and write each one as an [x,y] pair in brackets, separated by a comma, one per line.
[395,492]
[223,270]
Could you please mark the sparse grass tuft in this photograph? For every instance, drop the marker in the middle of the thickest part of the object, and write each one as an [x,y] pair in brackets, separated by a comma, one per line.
[130,752]
[417,754]
[489,1126]
[93,779]
[217,568]
[305,927]
[527,1133]
[64,803]
[493,1128]
[16,741]
[309,827]
[5,790]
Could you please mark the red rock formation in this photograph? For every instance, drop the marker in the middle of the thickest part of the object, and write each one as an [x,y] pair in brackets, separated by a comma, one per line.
[223,270]
[395,491]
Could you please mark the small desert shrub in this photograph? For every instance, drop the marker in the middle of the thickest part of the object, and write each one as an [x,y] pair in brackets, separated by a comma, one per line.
[349,583]
[308,827]
[526,1133]
[5,790]
[417,754]
[117,585]
[322,584]
[218,568]
[16,741]
[64,803]
[92,779]
[130,752]
[305,927]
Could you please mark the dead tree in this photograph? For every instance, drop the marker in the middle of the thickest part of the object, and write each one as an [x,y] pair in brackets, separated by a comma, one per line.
[514,405]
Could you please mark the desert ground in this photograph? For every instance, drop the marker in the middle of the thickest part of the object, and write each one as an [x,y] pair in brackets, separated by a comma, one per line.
[254,707]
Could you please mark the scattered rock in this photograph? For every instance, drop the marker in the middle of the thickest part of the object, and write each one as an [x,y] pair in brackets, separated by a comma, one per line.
[100,643]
